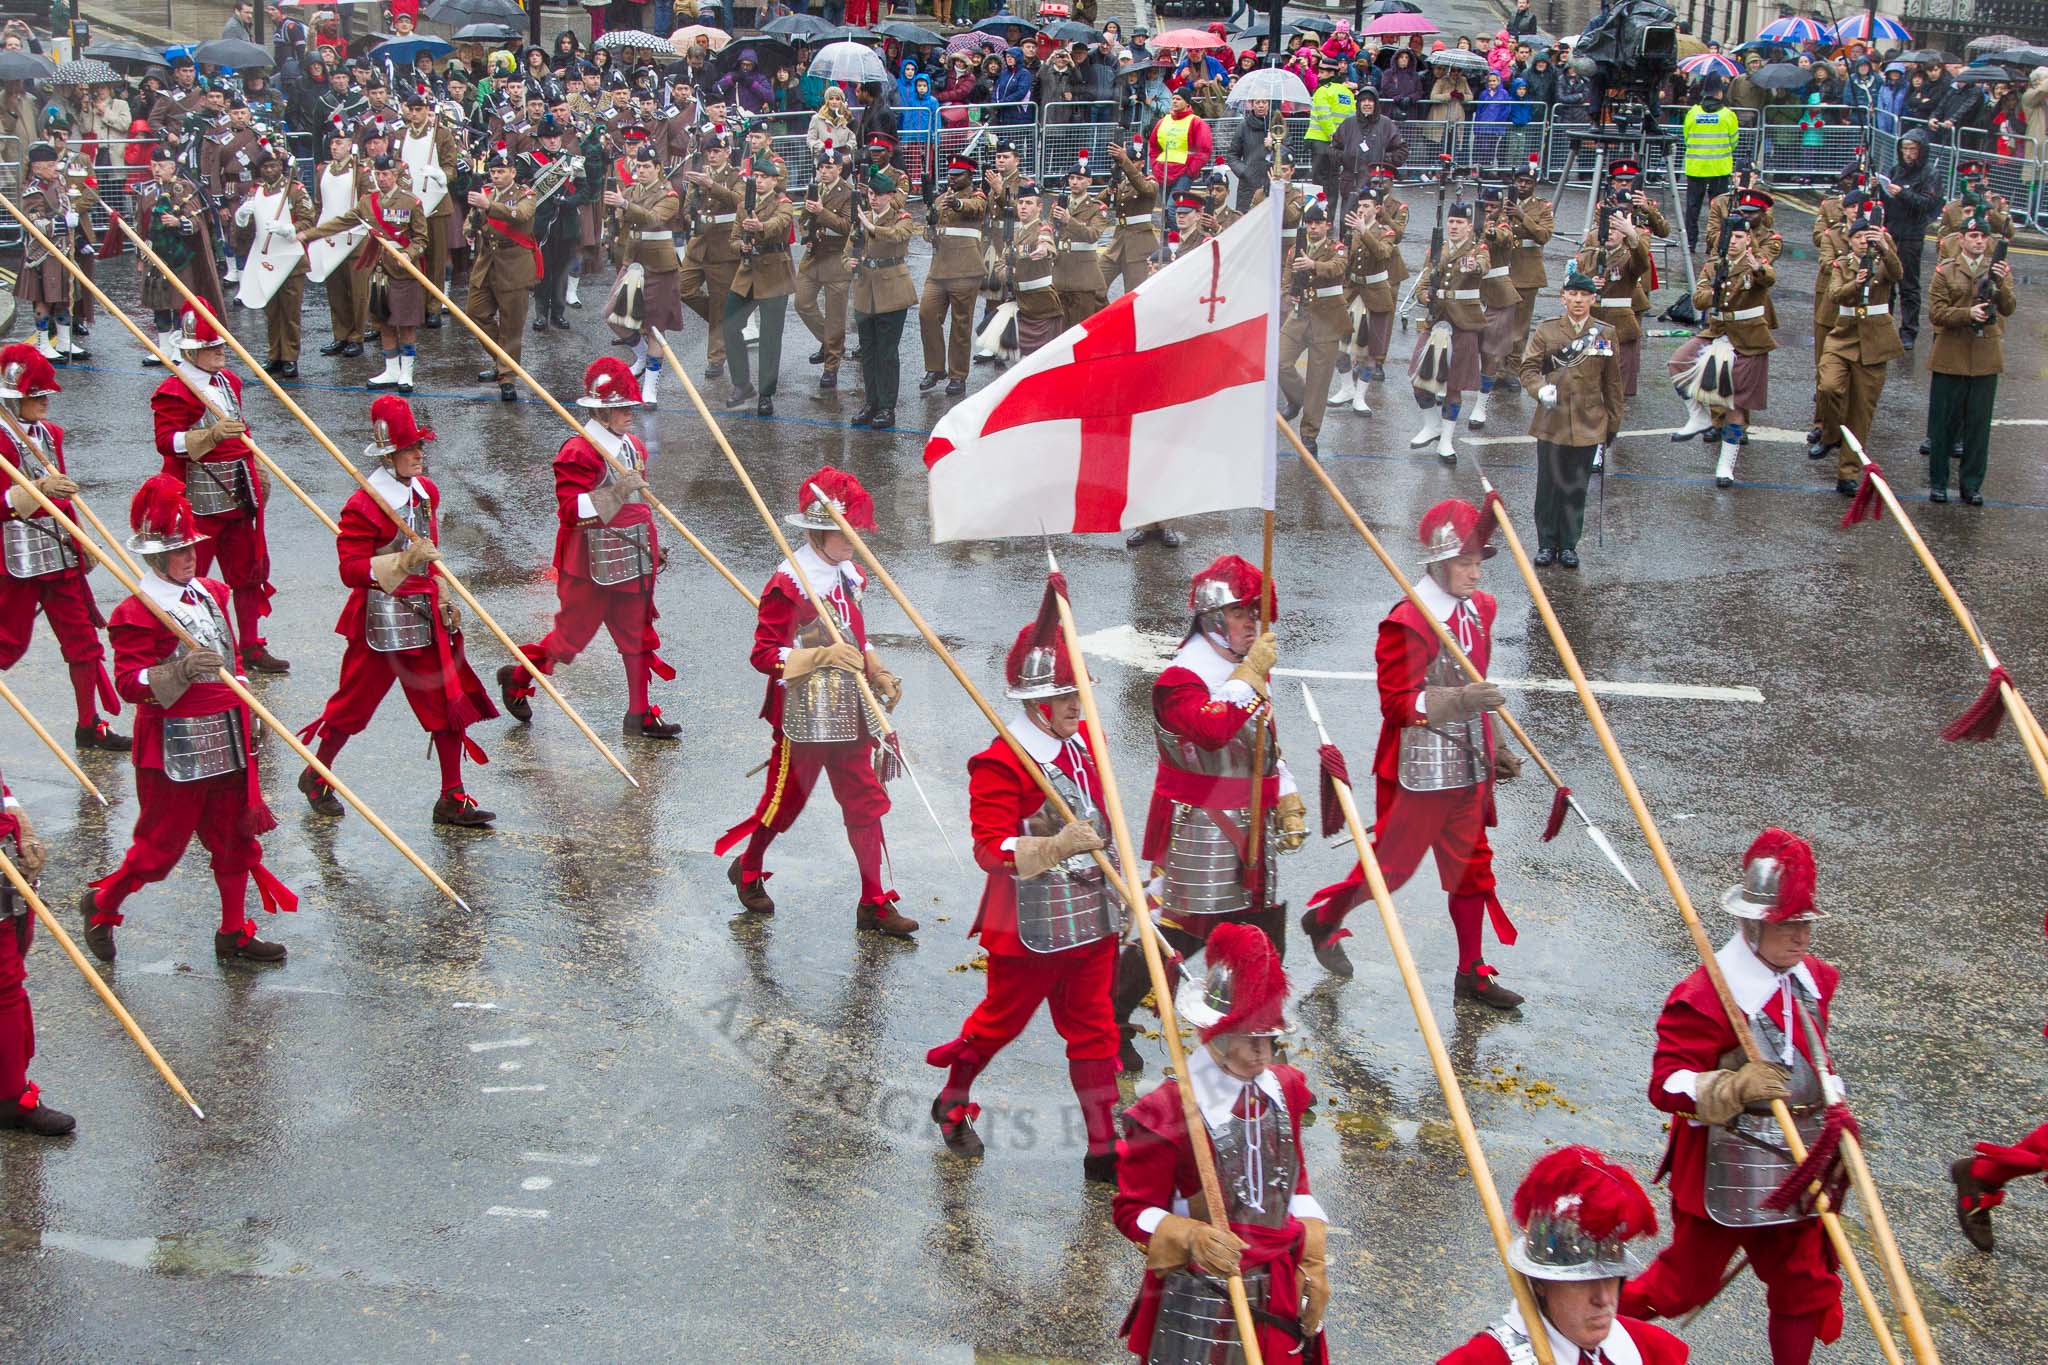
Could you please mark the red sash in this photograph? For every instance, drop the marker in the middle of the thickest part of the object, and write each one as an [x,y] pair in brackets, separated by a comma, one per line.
[370,250]
[506,231]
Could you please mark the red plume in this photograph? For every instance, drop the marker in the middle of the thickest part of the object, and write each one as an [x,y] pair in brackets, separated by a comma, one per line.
[1796,874]
[843,488]
[1602,1197]
[1258,986]
[1560,803]
[160,506]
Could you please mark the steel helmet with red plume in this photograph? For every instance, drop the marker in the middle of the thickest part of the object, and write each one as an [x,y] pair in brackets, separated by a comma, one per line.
[1577,1212]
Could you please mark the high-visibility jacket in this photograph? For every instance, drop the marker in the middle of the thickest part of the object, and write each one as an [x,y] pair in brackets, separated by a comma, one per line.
[1173,140]
[1333,103]
[1710,142]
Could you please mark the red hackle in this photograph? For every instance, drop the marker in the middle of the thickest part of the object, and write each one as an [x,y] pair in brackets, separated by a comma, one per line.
[1866,505]
[1796,871]
[1489,522]
[1604,1198]
[1821,1165]
[1984,715]
[1334,770]
[1560,805]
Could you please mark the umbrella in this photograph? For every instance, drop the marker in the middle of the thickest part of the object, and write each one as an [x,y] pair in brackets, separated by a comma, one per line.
[1379,7]
[1067,31]
[123,54]
[486,33]
[1795,31]
[25,66]
[796,26]
[1856,29]
[1398,25]
[1690,46]
[1313,24]
[1268,83]
[458,12]
[1784,76]
[406,51]
[2017,57]
[1187,39]
[86,72]
[683,38]
[995,23]
[1923,55]
[769,53]
[1990,42]
[1710,64]
[230,52]
[631,40]
[1991,74]
[972,41]
[1770,47]
[848,62]
[1458,59]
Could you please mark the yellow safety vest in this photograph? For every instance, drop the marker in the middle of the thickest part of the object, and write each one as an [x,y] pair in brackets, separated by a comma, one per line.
[1710,142]
[1173,140]
[1332,104]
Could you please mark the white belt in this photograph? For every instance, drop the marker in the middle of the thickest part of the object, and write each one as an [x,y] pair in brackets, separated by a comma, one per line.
[1380,278]
[1498,272]
[1080,246]
[1144,219]
[1328,291]
[1529,242]
[960,232]
[1745,314]
[658,236]
[1290,233]
[1026,286]
[1875,310]
[723,218]
[1625,301]
[1464,293]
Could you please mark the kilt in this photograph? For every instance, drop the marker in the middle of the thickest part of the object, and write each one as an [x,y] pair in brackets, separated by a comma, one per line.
[47,283]
[589,231]
[397,302]
[1751,379]
[664,300]
[1499,337]
[1033,333]
[1464,359]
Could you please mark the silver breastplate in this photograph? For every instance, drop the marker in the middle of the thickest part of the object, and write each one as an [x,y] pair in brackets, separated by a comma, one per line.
[1234,759]
[32,547]
[217,488]
[1446,757]
[1514,1341]
[1195,1324]
[1747,1159]
[204,622]
[1204,874]
[1257,1166]
[1068,905]
[393,624]
[823,706]
[199,747]
[618,554]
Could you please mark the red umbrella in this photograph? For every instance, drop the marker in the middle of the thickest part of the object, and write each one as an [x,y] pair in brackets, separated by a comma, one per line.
[1185,39]
[1396,25]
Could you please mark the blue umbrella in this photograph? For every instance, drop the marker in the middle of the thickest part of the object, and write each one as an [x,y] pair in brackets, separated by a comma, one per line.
[1795,31]
[406,51]
[1856,29]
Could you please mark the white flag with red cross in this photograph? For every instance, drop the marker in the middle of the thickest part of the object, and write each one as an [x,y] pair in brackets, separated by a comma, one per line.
[1159,406]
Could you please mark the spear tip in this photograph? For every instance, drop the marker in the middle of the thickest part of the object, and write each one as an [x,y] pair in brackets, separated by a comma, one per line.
[197,1112]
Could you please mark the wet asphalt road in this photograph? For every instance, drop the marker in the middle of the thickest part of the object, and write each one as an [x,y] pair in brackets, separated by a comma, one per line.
[602,1117]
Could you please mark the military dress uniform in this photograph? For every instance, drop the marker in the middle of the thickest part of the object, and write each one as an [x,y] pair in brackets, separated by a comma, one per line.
[340,186]
[1534,221]
[21,1101]
[392,299]
[1132,201]
[1861,342]
[1445,365]
[1376,275]
[42,281]
[1315,327]
[882,295]
[1618,272]
[711,258]
[1726,1154]
[184,246]
[1968,357]
[950,286]
[507,265]
[1500,343]
[646,237]
[1028,269]
[1992,209]
[1077,273]
[434,163]
[1735,343]
[823,279]
[44,571]
[764,281]
[1048,918]
[1573,371]
[288,210]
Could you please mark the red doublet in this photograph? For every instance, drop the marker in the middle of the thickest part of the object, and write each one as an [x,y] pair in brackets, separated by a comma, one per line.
[1655,1345]
[443,690]
[235,540]
[1156,1166]
[1451,824]
[64,598]
[625,609]
[1183,705]
[226,813]
[1793,1260]
[793,769]
[17,1022]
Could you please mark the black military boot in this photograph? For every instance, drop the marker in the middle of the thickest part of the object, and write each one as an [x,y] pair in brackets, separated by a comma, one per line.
[515,693]
[753,895]
[1328,945]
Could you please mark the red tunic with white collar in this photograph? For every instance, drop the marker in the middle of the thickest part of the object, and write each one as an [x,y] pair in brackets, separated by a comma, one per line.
[50,437]
[141,643]
[579,471]
[1001,796]
[1197,699]
[786,609]
[1631,1342]
[1402,655]
[176,410]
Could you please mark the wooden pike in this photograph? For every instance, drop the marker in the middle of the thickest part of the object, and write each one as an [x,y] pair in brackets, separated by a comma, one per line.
[23,440]
[70,763]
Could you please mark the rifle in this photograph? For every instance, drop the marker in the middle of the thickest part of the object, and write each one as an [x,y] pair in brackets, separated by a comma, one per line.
[750,195]
[1987,286]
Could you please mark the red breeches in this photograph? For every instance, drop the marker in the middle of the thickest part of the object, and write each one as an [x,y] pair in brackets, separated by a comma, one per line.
[1075,985]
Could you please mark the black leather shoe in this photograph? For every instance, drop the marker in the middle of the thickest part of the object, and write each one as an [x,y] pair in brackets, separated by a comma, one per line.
[817,357]
[100,735]
[515,694]
[334,347]
[507,394]
[319,795]
[269,366]
[1127,1055]
[754,897]
[1139,537]
[648,724]
[1568,558]
[828,381]
[42,1121]
[1171,538]
[931,380]
[287,370]
[540,322]
[1545,557]
[487,376]
[864,418]
[1099,1168]
[715,371]
[884,419]
[99,938]
[433,322]
[1973,499]
[1924,450]
[1327,946]
[956,1127]
[955,387]
[460,809]
[559,318]
[1486,989]
[739,398]
[257,658]
[1846,487]
[352,349]
[765,408]
[1937,495]
[246,948]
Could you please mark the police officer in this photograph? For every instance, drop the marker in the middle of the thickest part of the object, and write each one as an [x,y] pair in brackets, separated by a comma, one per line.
[1333,103]
[955,274]
[1710,130]
[1316,321]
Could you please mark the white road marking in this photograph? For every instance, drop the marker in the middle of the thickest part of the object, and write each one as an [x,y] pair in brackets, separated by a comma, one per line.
[503,1211]
[1766,435]
[1657,691]
[559,1158]
[513,1089]
[537,1182]
[511,1066]
[473,1005]
[501,1043]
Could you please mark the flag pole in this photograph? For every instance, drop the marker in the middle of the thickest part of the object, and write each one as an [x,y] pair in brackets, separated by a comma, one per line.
[1702,945]
[1257,825]
[498,353]
[228,679]
[70,763]
[1432,1039]
[99,986]
[1155,963]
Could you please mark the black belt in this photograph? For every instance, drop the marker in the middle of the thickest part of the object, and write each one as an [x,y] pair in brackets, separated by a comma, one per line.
[878,262]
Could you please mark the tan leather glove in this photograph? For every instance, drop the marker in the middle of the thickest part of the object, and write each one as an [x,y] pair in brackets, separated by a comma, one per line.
[809,659]
[888,688]
[199,443]
[33,853]
[417,554]
[1258,662]
[1179,1240]
[169,679]
[389,571]
[1506,767]
[1293,815]
[612,497]
[451,616]
[56,486]
[1035,856]
[1724,1094]
[1442,705]
[1315,1275]
[22,502]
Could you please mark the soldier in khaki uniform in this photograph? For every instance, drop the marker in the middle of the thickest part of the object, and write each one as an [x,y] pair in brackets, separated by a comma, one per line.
[1192,225]
[1131,201]
[339,186]
[507,262]
[1571,366]
[958,217]
[1862,340]
[1971,297]
[396,300]
[1445,364]
[1534,220]
[1835,212]
[712,257]
[882,291]
[282,312]
[42,280]
[1734,291]
[1499,343]
[1372,279]
[1625,179]
[427,147]
[1618,267]
[1216,191]
[645,214]
[1028,268]
[1000,182]
[1977,200]
[1077,223]
[765,280]
[826,223]
[1315,323]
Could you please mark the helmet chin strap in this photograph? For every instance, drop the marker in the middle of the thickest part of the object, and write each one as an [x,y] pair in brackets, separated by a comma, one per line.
[1220,643]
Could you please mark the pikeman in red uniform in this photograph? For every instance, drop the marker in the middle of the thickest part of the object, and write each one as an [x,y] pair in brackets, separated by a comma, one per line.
[1048,918]
[816,708]
[1727,1155]
[195,751]
[1578,1212]
[1981,1180]
[44,571]
[607,552]
[399,626]
[1437,759]
[1252,1108]
[1207,710]
[202,448]
[21,1104]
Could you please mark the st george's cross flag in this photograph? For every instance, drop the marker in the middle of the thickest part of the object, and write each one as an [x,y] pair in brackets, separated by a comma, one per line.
[1159,406]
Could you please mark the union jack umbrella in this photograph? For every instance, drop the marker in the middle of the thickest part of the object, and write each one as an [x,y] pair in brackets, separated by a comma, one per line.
[1703,64]
[1795,31]
[1856,29]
